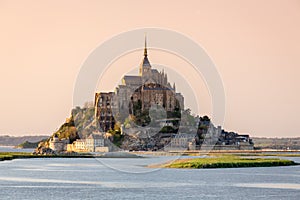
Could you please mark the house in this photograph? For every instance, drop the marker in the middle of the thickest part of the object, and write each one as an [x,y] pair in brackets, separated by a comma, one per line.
[95,143]
[77,146]
[182,141]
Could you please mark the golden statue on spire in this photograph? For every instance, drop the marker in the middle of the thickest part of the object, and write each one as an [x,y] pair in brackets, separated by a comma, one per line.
[145,50]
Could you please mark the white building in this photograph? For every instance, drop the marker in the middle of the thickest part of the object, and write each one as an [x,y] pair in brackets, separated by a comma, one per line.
[79,145]
[94,141]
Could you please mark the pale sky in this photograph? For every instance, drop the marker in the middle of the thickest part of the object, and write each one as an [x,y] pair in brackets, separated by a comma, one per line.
[255,46]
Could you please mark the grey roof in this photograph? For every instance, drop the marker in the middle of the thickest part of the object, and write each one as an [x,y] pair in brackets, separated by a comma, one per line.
[154,71]
[132,79]
[95,136]
[146,62]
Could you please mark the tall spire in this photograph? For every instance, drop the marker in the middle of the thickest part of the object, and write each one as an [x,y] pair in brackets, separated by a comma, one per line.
[145,66]
[145,49]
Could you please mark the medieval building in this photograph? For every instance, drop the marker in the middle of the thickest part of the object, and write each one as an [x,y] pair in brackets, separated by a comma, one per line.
[136,95]
[103,110]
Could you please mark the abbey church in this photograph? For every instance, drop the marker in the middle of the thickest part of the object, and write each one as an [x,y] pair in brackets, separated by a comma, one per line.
[136,95]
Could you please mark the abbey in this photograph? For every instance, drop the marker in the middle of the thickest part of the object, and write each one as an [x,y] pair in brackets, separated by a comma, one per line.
[136,95]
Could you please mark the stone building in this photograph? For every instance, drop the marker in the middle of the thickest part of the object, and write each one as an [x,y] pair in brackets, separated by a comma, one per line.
[136,95]
[58,145]
[182,141]
[94,141]
[79,145]
[103,110]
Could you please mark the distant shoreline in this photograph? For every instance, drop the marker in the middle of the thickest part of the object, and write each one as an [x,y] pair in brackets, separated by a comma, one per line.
[7,140]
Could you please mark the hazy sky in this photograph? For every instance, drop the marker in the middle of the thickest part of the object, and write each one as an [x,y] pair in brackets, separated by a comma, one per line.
[254,44]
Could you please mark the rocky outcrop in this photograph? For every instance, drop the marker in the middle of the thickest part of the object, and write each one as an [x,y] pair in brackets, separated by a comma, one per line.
[80,125]
[44,151]
[67,131]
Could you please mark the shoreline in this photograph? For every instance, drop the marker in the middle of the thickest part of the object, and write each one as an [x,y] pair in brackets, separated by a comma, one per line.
[23,155]
[212,161]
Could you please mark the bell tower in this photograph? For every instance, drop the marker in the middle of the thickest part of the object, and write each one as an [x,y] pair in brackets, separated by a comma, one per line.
[145,67]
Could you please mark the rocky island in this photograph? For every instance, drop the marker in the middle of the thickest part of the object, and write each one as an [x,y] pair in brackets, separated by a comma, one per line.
[144,113]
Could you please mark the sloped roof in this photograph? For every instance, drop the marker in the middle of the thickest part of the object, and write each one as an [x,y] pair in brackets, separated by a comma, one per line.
[154,71]
[95,136]
[146,62]
[132,79]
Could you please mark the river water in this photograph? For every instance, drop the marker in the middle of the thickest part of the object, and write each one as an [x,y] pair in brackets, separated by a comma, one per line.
[128,178]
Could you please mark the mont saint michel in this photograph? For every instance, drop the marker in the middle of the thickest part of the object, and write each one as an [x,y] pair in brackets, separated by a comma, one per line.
[144,113]
[149,100]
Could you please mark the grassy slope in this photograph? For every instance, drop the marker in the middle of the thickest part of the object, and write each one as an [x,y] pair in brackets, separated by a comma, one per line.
[27,144]
[227,161]
[11,155]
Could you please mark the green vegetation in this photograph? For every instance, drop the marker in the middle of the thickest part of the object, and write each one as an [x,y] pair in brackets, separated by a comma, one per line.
[187,118]
[116,134]
[15,155]
[27,144]
[227,161]
[23,155]
[66,131]
[151,116]
[12,155]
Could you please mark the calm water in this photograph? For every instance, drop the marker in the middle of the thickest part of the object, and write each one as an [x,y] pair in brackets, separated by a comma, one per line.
[109,178]
[11,149]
